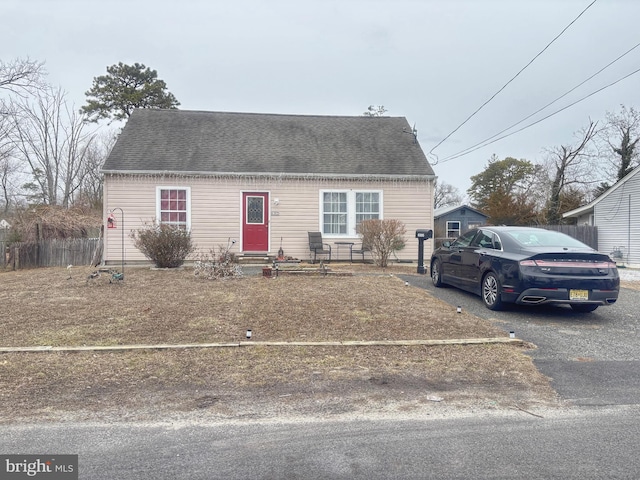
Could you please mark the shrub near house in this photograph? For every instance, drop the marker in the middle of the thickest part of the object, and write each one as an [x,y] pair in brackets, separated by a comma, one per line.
[382,237]
[167,246]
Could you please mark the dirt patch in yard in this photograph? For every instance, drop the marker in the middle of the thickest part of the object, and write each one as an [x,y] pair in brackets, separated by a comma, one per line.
[57,307]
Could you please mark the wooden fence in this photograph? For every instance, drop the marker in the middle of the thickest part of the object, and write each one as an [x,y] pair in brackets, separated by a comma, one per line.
[585,233]
[52,253]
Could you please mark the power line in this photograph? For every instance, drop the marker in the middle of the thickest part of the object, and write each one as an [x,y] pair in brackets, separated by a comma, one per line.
[542,119]
[482,143]
[513,78]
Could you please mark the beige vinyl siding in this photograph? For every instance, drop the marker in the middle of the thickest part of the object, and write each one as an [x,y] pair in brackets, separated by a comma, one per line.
[412,203]
[216,213]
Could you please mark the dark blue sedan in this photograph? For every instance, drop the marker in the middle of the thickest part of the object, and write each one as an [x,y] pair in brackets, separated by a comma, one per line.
[527,266]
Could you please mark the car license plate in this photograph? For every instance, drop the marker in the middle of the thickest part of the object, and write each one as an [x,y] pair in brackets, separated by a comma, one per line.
[578,294]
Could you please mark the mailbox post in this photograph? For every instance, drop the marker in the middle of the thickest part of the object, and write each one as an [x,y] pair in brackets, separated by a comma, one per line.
[422,235]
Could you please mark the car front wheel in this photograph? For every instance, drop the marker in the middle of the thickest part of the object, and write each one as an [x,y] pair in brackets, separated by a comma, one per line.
[436,273]
[491,291]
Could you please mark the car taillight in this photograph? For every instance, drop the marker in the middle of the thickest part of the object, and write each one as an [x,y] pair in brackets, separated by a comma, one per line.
[603,267]
[579,264]
[528,263]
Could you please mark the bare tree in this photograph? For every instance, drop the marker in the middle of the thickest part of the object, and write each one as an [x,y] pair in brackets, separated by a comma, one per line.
[445,195]
[51,138]
[9,179]
[7,171]
[21,76]
[621,135]
[8,167]
[92,180]
[570,167]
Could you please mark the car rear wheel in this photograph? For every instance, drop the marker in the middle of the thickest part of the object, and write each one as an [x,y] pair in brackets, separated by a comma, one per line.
[436,273]
[583,307]
[491,291]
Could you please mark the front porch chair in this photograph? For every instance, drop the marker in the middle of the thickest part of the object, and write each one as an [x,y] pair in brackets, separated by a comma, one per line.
[360,250]
[317,246]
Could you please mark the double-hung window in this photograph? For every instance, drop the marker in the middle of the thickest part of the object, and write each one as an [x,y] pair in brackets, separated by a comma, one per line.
[334,213]
[173,206]
[341,211]
[453,229]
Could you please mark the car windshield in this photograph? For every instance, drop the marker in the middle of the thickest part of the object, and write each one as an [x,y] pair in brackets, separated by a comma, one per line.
[544,238]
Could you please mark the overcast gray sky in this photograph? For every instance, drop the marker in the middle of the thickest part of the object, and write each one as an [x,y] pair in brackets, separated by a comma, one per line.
[432,61]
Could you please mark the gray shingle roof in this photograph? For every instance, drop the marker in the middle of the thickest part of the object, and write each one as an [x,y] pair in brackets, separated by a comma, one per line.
[184,141]
[439,212]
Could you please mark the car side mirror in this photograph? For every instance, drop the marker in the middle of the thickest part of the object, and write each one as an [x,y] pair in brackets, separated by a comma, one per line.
[446,244]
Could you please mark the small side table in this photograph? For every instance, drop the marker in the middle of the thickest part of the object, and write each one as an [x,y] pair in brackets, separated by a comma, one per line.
[344,244]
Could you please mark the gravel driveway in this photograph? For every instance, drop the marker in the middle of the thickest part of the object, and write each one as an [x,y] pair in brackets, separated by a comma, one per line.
[592,359]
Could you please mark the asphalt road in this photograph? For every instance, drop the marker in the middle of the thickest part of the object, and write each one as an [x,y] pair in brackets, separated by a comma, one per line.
[582,444]
[592,358]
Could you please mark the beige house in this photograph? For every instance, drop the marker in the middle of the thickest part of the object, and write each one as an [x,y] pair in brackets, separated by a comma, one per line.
[264,180]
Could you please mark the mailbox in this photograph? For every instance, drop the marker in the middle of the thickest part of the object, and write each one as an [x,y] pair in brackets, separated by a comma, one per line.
[422,234]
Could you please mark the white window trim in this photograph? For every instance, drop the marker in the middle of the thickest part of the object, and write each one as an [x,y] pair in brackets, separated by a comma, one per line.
[459,229]
[351,211]
[158,204]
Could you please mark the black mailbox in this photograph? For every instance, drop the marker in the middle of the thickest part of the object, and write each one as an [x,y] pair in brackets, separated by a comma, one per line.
[422,234]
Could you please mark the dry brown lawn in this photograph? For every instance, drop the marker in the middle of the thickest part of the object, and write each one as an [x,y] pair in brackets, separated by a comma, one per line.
[45,307]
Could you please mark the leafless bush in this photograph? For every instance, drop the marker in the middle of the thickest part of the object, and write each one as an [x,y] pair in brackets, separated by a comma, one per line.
[165,245]
[383,237]
[222,264]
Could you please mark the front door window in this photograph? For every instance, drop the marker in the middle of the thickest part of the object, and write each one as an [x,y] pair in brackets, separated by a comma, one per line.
[255,210]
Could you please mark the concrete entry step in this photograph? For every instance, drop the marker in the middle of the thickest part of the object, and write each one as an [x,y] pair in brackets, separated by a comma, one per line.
[255,258]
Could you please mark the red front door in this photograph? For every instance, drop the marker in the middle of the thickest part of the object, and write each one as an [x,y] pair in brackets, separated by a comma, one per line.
[255,222]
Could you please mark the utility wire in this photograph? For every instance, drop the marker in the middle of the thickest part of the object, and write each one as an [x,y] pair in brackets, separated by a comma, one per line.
[482,143]
[513,78]
[542,119]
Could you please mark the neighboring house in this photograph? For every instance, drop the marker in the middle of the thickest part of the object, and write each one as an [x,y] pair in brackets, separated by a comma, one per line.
[451,221]
[616,213]
[4,224]
[264,180]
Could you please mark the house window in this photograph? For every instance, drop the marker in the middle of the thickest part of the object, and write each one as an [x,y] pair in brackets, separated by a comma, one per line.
[255,210]
[474,225]
[334,213]
[367,206]
[174,206]
[453,229]
[342,211]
